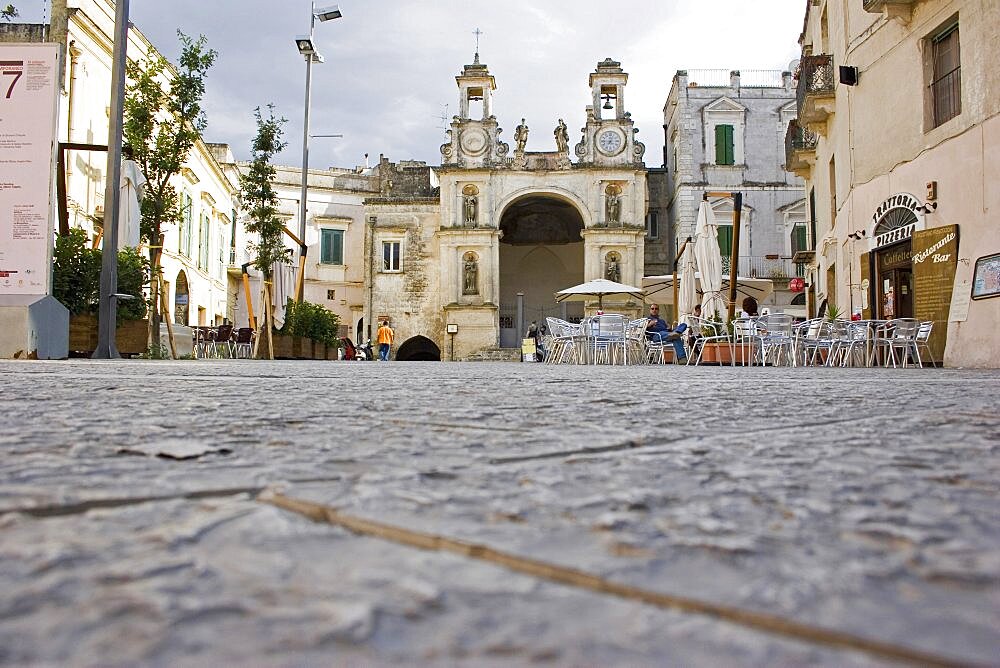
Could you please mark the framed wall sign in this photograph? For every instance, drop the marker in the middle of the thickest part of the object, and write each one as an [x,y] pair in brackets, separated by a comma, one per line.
[986,277]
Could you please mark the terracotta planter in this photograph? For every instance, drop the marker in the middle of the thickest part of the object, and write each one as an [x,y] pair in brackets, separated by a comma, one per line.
[130,337]
[716,353]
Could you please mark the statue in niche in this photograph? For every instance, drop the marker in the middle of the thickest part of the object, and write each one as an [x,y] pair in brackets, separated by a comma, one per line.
[521,137]
[612,267]
[470,205]
[562,137]
[470,275]
[612,203]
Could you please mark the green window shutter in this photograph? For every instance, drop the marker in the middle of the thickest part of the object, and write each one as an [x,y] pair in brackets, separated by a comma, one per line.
[798,238]
[724,154]
[725,240]
[332,247]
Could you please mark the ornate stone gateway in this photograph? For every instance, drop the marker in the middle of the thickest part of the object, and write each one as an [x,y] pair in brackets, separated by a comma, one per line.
[525,224]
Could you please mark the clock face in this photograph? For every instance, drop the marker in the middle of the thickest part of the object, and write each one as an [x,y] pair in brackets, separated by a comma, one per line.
[610,142]
[474,141]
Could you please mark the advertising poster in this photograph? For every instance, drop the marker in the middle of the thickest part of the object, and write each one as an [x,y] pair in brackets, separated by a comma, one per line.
[27,134]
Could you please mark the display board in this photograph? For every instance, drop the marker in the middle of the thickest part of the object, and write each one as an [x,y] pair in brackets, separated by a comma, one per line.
[935,259]
[28,98]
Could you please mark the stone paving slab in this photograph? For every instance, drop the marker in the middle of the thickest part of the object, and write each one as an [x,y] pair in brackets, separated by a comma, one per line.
[859,500]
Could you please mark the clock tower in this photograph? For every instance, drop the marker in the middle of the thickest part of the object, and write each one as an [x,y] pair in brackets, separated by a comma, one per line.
[474,138]
[609,136]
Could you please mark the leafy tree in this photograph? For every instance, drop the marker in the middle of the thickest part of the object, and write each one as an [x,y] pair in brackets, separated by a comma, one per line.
[163,121]
[260,201]
[9,12]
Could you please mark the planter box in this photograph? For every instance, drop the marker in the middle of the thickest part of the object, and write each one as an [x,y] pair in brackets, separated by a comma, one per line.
[130,337]
[297,348]
[319,350]
[333,353]
[716,353]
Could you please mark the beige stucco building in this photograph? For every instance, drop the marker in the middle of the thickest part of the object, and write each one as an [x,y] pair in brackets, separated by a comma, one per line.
[897,138]
[484,253]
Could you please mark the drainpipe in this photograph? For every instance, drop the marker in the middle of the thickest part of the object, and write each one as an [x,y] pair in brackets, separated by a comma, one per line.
[369,274]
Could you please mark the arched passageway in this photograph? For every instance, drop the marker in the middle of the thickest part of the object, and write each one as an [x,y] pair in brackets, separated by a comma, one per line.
[181,298]
[541,252]
[418,349]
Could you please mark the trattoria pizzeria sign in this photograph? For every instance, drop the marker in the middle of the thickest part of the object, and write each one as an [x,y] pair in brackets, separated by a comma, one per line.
[895,220]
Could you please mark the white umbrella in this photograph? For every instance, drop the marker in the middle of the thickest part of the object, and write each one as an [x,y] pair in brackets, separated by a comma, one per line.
[687,290]
[706,251]
[600,288]
[131,185]
[660,289]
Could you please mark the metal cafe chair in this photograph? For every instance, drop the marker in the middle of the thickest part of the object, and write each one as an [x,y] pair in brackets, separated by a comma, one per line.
[775,330]
[923,341]
[243,343]
[896,336]
[219,342]
[712,332]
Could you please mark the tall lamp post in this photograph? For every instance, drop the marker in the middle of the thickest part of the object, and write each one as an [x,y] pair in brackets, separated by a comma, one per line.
[308,50]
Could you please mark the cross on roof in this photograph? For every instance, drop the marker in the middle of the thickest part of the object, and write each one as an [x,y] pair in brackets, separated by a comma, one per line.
[477,32]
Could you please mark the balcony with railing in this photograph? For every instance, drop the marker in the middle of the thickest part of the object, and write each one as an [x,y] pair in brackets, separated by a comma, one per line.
[775,267]
[816,91]
[800,149]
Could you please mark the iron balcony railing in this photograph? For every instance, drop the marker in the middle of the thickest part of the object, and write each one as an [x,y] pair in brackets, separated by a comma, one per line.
[815,78]
[764,266]
[798,139]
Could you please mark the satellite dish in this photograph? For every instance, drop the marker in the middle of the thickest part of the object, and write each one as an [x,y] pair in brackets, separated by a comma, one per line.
[794,65]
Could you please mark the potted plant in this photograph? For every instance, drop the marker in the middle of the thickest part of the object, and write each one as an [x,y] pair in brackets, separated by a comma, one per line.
[76,283]
[311,328]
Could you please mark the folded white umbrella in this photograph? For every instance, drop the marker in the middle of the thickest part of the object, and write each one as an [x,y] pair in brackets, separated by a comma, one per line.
[706,251]
[600,288]
[687,289]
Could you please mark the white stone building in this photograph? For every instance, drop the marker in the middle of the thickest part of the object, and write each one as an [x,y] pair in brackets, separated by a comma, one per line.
[897,138]
[724,132]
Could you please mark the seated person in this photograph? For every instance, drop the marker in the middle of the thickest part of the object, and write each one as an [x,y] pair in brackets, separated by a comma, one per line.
[657,330]
[749,308]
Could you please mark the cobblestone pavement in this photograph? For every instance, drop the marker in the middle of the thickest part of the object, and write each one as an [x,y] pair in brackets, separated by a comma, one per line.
[858,501]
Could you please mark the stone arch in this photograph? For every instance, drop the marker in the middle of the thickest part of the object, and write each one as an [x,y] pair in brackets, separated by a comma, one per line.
[541,251]
[552,192]
[182,298]
[418,349]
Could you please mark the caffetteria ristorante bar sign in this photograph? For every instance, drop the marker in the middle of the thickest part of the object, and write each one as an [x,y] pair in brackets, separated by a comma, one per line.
[935,259]
[27,144]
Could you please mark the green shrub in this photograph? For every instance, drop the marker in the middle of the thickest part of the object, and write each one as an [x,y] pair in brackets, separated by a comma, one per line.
[311,321]
[76,277]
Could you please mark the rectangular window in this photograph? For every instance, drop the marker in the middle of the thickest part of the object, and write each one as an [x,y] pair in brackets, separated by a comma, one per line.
[390,256]
[725,240]
[332,247]
[946,75]
[220,267]
[652,226]
[724,145]
[203,241]
[184,243]
[799,238]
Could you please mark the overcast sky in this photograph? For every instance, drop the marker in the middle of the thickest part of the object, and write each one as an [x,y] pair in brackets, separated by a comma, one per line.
[391,64]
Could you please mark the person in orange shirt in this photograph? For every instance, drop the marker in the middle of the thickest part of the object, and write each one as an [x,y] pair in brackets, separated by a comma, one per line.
[384,336]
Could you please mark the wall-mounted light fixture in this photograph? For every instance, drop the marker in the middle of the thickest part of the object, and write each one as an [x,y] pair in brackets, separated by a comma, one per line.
[849,75]
[926,208]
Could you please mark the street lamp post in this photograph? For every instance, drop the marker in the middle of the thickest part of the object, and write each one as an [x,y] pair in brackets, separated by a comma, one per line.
[308,51]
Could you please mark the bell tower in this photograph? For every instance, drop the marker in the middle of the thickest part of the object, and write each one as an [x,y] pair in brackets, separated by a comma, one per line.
[474,138]
[609,136]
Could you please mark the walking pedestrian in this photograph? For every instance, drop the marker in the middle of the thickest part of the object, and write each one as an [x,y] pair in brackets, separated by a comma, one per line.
[385,335]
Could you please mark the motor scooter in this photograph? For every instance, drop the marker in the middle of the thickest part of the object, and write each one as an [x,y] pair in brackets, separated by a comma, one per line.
[365,352]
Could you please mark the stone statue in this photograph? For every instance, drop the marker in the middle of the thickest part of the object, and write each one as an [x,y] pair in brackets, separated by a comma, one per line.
[612,270]
[613,206]
[562,137]
[470,276]
[521,137]
[470,208]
